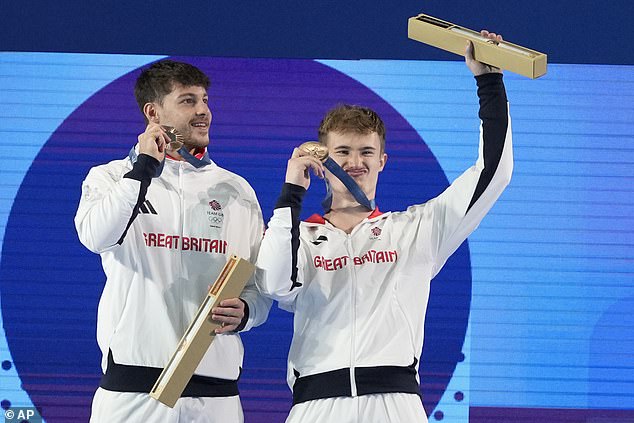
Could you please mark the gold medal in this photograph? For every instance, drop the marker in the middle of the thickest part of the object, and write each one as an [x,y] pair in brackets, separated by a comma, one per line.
[176,138]
[320,152]
[315,149]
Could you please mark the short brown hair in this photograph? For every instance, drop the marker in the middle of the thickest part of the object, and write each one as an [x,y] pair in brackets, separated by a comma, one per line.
[158,80]
[346,118]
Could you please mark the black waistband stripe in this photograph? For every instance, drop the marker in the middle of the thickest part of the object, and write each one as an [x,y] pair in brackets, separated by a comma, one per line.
[141,379]
[369,380]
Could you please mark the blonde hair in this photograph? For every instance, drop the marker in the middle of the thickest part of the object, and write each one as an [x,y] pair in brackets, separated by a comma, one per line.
[347,118]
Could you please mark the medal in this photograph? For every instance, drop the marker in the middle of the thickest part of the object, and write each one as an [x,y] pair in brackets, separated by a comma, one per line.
[176,138]
[320,152]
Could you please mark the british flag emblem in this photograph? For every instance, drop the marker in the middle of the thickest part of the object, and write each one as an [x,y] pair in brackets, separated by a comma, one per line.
[376,231]
[215,205]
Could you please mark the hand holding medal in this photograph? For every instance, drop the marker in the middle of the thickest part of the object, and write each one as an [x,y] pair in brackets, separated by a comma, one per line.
[318,154]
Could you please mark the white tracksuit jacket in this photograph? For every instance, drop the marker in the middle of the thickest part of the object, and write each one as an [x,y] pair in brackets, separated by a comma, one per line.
[158,270]
[360,299]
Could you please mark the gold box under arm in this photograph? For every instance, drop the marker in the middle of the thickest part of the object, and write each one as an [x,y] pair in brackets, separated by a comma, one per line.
[451,37]
[200,333]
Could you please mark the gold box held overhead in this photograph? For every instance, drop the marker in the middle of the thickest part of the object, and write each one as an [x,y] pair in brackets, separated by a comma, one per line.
[451,37]
[200,333]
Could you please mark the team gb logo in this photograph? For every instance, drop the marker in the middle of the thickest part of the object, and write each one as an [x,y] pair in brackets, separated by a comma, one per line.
[215,214]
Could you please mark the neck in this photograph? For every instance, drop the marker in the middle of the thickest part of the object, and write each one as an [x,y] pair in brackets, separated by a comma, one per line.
[347,217]
[176,156]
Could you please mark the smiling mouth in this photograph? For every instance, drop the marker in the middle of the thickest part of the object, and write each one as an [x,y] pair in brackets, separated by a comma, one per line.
[355,172]
[200,125]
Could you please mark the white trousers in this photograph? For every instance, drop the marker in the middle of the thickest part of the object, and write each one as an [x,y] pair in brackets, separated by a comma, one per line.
[375,408]
[120,407]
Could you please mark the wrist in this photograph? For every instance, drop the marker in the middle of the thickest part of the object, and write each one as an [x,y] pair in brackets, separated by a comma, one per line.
[292,195]
[144,168]
[245,318]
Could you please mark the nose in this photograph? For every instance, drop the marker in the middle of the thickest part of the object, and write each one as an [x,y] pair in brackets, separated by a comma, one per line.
[354,159]
[202,109]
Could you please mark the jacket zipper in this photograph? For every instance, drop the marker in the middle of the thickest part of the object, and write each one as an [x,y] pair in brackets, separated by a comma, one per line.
[181,217]
[353,318]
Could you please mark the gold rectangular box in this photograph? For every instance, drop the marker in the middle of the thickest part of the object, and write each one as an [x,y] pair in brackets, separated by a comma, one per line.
[200,333]
[451,37]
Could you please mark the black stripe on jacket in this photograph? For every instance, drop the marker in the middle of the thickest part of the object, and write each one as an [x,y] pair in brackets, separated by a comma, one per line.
[292,196]
[494,115]
[143,171]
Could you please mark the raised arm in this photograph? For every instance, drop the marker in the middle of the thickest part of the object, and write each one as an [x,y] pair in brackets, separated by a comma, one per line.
[459,210]
[280,261]
[109,203]
[109,206]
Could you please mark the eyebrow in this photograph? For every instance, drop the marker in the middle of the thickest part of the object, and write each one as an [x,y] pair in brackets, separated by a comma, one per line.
[346,148]
[191,95]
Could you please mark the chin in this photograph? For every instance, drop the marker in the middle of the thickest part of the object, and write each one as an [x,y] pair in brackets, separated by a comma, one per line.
[200,143]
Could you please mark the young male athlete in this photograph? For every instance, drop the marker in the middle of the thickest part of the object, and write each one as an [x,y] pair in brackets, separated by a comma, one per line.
[360,299]
[165,220]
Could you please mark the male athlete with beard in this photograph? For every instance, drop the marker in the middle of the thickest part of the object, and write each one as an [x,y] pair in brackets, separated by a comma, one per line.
[165,220]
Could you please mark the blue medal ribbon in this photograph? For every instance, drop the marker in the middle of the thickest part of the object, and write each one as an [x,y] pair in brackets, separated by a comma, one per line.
[349,183]
[189,158]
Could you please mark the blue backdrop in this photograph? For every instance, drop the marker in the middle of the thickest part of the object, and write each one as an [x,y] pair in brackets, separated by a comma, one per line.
[530,320]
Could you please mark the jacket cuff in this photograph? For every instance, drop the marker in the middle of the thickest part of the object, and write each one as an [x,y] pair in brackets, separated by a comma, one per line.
[144,169]
[490,84]
[488,78]
[245,318]
[291,196]
[492,96]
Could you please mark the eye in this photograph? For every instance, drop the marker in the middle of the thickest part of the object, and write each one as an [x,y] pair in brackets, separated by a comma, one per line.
[206,100]
[187,101]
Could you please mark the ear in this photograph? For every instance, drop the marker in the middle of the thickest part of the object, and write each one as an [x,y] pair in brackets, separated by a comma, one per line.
[151,112]
[383,161]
